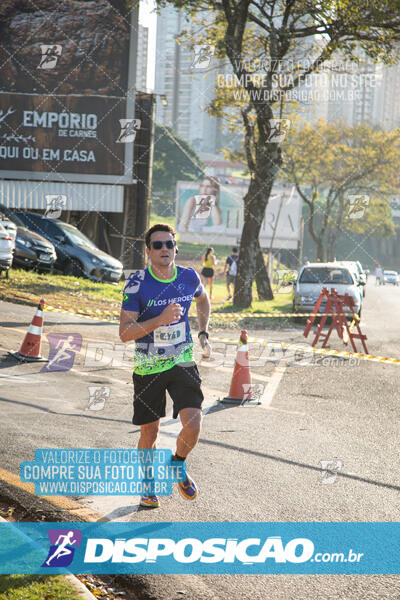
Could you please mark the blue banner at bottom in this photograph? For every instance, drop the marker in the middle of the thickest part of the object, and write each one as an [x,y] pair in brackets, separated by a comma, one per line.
[200,548]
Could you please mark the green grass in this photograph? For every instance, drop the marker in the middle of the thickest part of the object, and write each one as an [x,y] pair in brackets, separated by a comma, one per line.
[282,302]
[36,587]
[103,300]
[69,293]
[157,219]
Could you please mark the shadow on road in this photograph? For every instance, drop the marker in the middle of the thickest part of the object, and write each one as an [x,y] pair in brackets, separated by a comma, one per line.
[288,461]
[54,412]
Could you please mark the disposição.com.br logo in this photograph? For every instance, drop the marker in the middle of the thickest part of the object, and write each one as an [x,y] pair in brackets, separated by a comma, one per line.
[62,547]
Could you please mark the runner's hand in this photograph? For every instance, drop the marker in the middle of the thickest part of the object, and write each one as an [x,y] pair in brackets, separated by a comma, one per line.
[206,346]
[171,313]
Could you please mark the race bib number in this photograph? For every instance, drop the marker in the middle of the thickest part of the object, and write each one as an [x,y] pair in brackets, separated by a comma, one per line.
[169,335]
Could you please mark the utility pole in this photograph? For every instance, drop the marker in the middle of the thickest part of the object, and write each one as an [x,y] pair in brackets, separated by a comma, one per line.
[301,242]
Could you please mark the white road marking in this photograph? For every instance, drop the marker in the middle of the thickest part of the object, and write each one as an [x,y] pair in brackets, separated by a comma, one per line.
[273,385]
[258,376]
[282,410]
[23,378]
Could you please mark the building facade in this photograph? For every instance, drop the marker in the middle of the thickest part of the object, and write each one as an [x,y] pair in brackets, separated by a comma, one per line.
[141,58]
[187,84]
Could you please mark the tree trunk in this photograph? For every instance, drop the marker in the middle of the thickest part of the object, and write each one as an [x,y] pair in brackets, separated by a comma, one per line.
[320,250]
[332,244]
[264,289]
[255,203]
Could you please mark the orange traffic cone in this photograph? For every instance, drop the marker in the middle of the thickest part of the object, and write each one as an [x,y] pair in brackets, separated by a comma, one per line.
[240,389]
[30,347]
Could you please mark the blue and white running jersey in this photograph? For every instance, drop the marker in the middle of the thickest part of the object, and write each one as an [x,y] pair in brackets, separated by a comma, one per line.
[148,295]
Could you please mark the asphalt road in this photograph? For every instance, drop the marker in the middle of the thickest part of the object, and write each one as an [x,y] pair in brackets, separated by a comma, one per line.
[253,463]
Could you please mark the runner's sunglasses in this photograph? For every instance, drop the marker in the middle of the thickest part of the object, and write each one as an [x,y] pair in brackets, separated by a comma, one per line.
[158,245]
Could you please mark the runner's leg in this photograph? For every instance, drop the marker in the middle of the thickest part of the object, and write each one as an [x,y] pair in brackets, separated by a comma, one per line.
[148,435]
[190,433]
[184,388]
[187,440]
[147,441]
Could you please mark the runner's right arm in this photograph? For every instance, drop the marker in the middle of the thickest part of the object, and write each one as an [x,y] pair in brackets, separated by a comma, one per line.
[130,329]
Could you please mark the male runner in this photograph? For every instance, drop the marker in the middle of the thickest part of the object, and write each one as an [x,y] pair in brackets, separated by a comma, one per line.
[154,313]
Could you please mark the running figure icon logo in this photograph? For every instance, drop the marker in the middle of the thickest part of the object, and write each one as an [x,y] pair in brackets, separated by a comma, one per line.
[55,204]
[203,207]
[330,469]
[63,347]
[98,396]
[278,130]
[50,55]
[357,206]
[202,56]
[134,281]
[61,553]
[253,391]
[128,131]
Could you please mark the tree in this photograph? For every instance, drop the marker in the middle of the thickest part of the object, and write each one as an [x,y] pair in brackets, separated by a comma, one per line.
[343,175]
[174,159]
[265,42]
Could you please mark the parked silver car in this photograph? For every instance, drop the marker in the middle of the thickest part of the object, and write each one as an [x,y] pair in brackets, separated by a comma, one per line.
[8,225]
[315,276]
[6,250]
[390,277]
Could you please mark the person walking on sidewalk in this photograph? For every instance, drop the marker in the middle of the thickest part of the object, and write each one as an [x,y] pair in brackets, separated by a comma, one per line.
[231,270]
[154,313]
[207,273]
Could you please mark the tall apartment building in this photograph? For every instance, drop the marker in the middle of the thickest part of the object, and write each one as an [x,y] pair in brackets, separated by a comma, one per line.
[350,91]
[387,110]
[141,59]
[188,89]
[355,94]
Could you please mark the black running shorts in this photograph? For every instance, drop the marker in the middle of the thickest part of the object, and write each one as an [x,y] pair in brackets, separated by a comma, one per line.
[207,272]
[149,400]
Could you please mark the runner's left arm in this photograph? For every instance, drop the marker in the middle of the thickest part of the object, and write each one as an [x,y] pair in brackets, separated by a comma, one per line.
[203,308]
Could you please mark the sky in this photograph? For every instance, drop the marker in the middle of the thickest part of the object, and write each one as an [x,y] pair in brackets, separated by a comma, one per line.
[148,18]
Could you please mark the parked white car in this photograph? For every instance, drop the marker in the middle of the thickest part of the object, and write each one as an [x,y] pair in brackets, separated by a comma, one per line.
[359,273]
[9,226]
[390,277]
[315,276]
[6,250]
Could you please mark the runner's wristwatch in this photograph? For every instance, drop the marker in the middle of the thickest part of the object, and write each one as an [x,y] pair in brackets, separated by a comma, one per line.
[202,333]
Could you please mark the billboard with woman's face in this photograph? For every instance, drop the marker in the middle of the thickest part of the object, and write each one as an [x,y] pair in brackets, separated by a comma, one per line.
[209,212]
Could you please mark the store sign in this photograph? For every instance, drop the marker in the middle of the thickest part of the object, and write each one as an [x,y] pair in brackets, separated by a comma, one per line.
[61,134]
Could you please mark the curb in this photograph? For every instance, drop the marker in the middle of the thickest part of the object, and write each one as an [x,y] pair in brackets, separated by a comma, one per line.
[80,587]
[74,581]
[65,503]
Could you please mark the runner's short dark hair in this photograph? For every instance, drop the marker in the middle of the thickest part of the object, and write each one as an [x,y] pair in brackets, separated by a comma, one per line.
[234,249]
[158,227]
